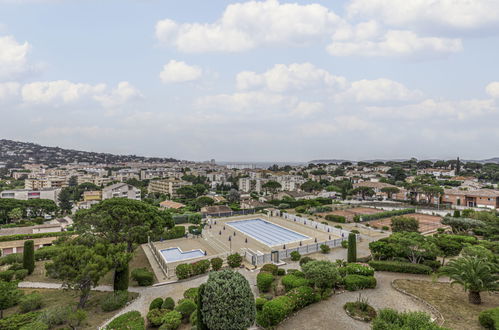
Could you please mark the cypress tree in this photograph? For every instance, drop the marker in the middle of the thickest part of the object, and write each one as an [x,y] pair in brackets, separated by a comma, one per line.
[29,256]
[121,278]
[352,248]
[200,325]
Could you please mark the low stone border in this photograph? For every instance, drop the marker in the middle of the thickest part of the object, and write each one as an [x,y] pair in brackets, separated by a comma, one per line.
[355,317]
[434,310]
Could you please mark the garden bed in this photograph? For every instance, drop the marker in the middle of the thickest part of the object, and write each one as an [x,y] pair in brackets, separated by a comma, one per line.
[360,310]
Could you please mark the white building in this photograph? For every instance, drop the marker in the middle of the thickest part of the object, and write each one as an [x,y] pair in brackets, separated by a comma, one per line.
[121,190]
[25,194]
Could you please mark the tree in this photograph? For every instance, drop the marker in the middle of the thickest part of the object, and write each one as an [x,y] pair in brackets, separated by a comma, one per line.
[65,200]
[462,225]
[310,186]
[200,325]
[390,191]
[233,196]
[404,224]
[272,186]
[448,247]
[29,256]
[73,181]
[118,259]
[352,248]
[79,267]
[433,191]
[187,192]
[16,214]
[363,191]
[397,173]
[120,220]
[9,295]
[203,201]
[227,301]
[474,275]
[322,274]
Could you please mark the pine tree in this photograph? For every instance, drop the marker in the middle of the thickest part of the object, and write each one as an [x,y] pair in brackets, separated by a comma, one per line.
[352,248]
[121,278]
[200,325]
[29,256]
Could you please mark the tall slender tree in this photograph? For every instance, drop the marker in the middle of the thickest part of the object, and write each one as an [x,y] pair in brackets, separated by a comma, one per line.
[29,256]
[352,248]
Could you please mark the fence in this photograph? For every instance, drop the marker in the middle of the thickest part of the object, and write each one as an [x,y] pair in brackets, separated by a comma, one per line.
[316,225]
[157,255]
[229,214]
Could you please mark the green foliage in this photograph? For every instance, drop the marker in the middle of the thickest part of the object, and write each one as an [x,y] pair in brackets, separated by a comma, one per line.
[406,245]
[121,278]
[295,256]
[227,301]
[157,304]
[400,267]
[128,321]
[113,301]
[259,302]
[14,258]
[357,269]
[29,256]
[304,260]
[352,248]
[16,321]
[36,325]
[20,274]
[264,281]
[321,273]
[55,315]
[275,311]
[46,252]
[462,225]
[191,293]
[344,244]
[269,268]
[200,325]
[19,237]
[76,318]
[186,307]
[169,303]
[281,272]
[155,316]
[358,282]
[200,267]
[391,319]
[7,275]
[216,263]
[292,281]
[143,276]
[9,295]
[183,271]
[171,321]
[325,248]
[336,218]
[175,232]
[234,260]
[302,296]
[489,318]
[386,214]
[400,224]
[30,302]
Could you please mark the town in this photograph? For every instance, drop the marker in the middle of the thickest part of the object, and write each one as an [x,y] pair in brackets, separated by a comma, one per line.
[152,242]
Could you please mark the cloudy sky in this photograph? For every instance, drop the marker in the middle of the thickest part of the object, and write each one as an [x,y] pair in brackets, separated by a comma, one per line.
[253,80]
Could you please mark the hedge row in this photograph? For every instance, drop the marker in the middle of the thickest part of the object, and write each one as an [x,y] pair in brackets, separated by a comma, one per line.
[336,218]
[175,232]
[359,282]
[386,214]
[184,271]
[400,267]
[33,236]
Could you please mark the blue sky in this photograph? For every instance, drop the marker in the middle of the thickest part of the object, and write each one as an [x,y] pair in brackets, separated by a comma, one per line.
[253,80]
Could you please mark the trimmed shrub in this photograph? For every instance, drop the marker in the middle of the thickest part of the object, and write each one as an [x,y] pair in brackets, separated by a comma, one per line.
[156,303]
[336,218]
[275,311]
[183,271]
[200,267]
[21,274]
[175,232]
[322,274]
[304,260]
[352,248]
[302,296]
[270,268]
[216,263]
[7,275]
[186,307]
[281,272]
[292,281]
[128,321]
[325,248]
[259,302]
[29,256]
[344,244]
[358,269]
[171,321]
[264,281]
[30,302]
[169,303]
[193,318]
[391,319]
[191,293]
[113,301]
[400,267]
[358,282]
[16,266]
[142,276]
[489,318]
[386,214]
[155,316]
[234,260]
[433,264]
[295,255]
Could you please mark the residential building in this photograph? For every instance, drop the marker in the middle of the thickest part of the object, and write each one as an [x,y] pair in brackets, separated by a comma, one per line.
[167,186]
[437,172]
[92,195]
[171,205]
[25,194]
[121,190]
[488,198]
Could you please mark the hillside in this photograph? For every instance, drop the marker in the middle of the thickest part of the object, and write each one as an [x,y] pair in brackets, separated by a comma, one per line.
[16,153]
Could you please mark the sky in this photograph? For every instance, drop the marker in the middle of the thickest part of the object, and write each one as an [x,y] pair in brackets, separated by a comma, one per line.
[253,80]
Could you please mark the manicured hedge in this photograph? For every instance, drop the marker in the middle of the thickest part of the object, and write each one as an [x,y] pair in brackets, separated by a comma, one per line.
[356,269]
[275,311]
[183,271]
[270,268]
[303,296]
[33,236]
[264,281]
[400,267]
[216,263]
[359,282]
[175,232]
[386,214]
[234,260]
[143,276]
[156,303]
[128,321]
[200,267]
[336,218]
[292,281]
[489,318]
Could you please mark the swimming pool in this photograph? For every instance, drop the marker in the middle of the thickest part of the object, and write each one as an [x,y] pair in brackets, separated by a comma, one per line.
[266,232]
[175,254]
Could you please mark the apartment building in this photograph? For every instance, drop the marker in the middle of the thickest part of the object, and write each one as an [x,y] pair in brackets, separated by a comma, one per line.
[92,195]
[488,198]
[42,183]
[167,186]
[437,172]
[25,194]
[121,190]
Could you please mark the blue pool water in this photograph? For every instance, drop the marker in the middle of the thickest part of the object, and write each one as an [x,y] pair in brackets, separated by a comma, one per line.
[175,254]
[267,232]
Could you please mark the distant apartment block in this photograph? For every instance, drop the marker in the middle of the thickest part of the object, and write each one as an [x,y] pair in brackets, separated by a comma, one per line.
[93,195]
[51,182]
[26,194]
[241,166]
[167,186]
[121,190]
[436,172]
[488,198]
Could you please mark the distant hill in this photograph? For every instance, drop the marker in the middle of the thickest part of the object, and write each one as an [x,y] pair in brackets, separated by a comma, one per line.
[17,153]
[339,161]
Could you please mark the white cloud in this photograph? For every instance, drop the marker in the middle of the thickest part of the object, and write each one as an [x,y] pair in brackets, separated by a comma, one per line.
[296,76]
[493,89]
[306,109]
[13,57]
[120,95]
[456,15]
[379,90]
[248,102]
[246,25]
[178,71]
[9,90]
[391,43]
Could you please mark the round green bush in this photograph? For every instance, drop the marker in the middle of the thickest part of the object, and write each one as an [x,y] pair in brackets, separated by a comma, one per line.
[114,300]
[16,266]
[142,276]
[302,296]
[358,269]
[281,272]
[325,248]
[292,281]
[156,303]
[295,256]
[321,273]
[264,281]
[344,244]
[200,267]
[7,275]
[489,318]
[227,301]
[216,263]
[186,307]
[30,302]
[183,271]
[259,302]
[169,303]
[191,293]
[274,311]
[305,259]
[359,282]
[234,260]
[21,274]
[171,321]
[155,316]
[269,268]
[193,318]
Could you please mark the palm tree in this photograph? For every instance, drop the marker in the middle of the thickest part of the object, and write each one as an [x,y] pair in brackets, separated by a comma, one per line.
[474,274]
